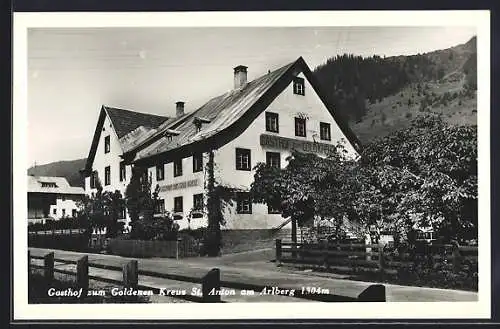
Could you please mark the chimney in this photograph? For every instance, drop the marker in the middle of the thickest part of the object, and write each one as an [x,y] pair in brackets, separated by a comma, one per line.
[179,109]
[240,76]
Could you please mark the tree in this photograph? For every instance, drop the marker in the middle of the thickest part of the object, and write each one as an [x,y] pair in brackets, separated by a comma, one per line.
[142,204]
[425,175]
[213,238]
[299,188]
[219,197]
[440,163]
[102,210]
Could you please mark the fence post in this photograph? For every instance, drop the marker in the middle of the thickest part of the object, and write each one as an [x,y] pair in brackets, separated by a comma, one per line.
[48,264]
[177,249]
[381,260]
[211,283]
[374,293]
[457,261]
[130,274]
[82,274]
[278,252]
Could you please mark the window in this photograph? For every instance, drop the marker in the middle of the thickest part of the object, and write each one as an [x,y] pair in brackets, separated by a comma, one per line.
[273,208]
[272,122]
[160,206]
[324,131]
[73,213]
[178,168]
[107,175]
[300,127]
[298,86]
[123,172]
[197,162]
[160,172]
[273,159]
[123,213]
[178,204]
[144,176]
[243,161]
[106,144]
[243,203]
[93,179]
[63,212]
[198,201]
[54,211]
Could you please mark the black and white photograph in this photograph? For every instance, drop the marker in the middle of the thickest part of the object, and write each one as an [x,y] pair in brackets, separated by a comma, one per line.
[297,160]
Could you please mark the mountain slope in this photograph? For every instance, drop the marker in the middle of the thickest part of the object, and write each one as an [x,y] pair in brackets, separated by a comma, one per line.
[379,95]
[68,169]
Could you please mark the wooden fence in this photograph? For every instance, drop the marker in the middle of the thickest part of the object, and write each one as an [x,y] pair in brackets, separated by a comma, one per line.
[55,232]
[210,281]
[370,257]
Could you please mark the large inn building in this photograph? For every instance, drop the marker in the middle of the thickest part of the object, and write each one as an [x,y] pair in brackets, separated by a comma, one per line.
[258,121]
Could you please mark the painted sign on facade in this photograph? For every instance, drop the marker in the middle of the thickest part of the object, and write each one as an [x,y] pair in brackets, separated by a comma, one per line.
[295,144]
[178,186]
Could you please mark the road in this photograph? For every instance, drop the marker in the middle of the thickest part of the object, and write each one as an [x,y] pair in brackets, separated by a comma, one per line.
[248,267]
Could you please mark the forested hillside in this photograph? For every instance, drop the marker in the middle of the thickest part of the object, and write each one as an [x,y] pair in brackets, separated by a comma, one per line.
[379,95]
[68,169]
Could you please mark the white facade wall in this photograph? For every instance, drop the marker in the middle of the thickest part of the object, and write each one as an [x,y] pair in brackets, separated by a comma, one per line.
[112,159]
[186,193]
[288,106]
[64,207]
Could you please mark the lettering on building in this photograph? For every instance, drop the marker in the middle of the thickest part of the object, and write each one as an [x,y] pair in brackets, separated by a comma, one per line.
[178,186]
[295,144]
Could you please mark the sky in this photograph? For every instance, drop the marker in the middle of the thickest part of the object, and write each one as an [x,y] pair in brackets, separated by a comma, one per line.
[72,72]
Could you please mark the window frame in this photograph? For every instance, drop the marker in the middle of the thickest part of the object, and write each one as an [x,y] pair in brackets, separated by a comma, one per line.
[107,175]
[177,168]
[160,206]
[299,86]
[270,116]
[181,203]
[270,155]
[271,210]
[160,169]
[327,126]
[123,171]
[197,158]
[241,197]
[298,122]
[107,144]
[195,196]
[93,179]
[243,152]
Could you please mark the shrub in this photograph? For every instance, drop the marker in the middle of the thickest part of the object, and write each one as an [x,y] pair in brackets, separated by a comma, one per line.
[158,228]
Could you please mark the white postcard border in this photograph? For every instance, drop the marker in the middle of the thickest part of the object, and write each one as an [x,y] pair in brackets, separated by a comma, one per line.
[435,310]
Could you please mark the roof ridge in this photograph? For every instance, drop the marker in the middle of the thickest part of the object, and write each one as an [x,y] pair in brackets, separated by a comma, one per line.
[188,115]
[107,107]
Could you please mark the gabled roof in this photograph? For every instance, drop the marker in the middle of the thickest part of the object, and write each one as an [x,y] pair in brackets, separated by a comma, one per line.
[55,185]
[124,121]
[130,128]
[229,115]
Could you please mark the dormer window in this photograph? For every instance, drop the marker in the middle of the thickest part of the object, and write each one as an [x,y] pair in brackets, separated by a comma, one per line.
[199,121]
[298,86]
[49,184]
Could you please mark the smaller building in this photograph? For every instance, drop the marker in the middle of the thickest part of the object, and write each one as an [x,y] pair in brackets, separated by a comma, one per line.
[52,198]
